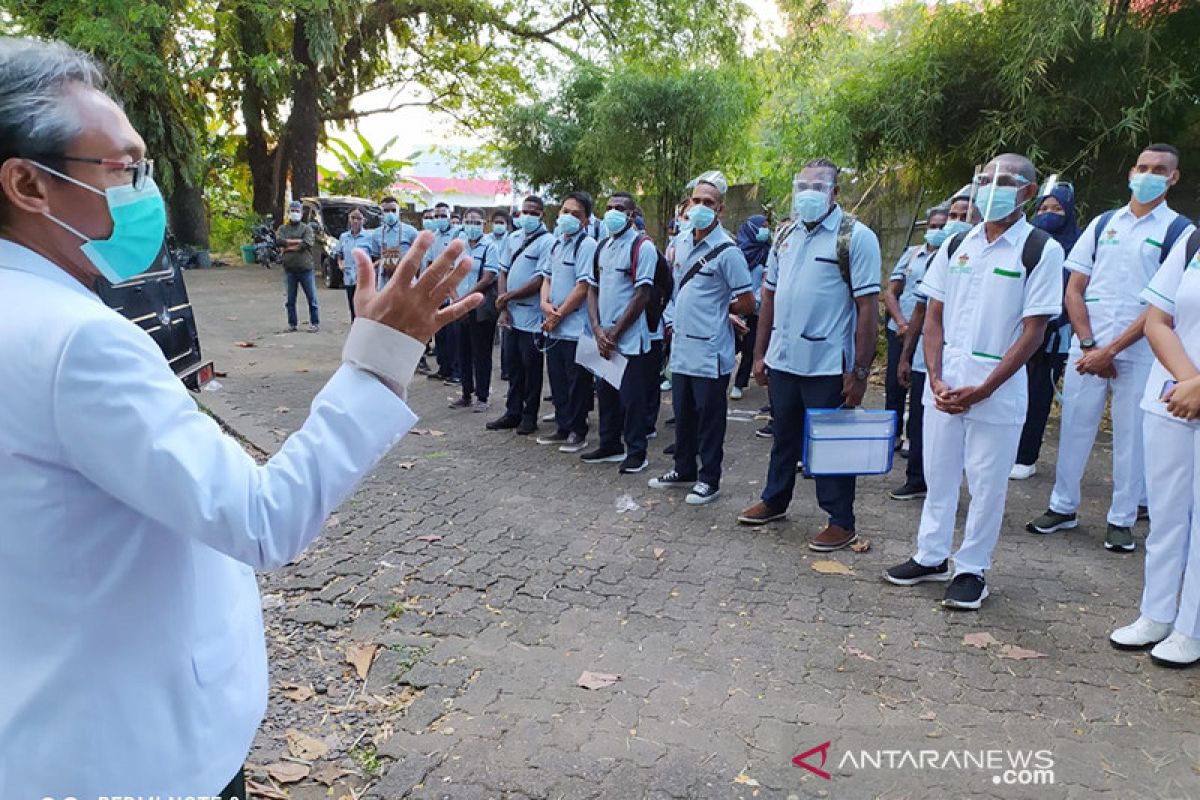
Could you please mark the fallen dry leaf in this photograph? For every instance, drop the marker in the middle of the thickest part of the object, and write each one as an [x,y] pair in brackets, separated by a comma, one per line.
[928,716]
[333,521]
[861,546]
[1014,653]
[418,432]
[294,691]
[245,344]
[360,657]
[854,651]
[282,409]
[745,780]
[305,747]
[981,640]
[659,552]
[327,774]
[406,464]
[264,792]
[596,680]
[288,771]
[830,567]
[437,433]
[429,537]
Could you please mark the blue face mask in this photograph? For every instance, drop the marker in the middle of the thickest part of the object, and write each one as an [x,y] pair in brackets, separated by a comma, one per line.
[530,222]
[763,235]
[956,226]
[1147,186]
[1050,222]
[139,225]
[441,224]
[499,229]
[996,202]
[473,230]
[809,205]
[615,221]
[391,218]
[701,217]
[567,225]
[935,236]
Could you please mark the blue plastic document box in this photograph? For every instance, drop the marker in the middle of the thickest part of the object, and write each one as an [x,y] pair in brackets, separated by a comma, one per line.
[849,441]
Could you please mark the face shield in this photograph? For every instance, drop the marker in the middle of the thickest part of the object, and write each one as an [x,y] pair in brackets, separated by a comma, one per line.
[811,197]
[996,192]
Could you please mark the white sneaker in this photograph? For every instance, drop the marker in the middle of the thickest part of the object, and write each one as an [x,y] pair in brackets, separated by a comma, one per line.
[735,393]
[1139,635]
[1022,471]
[548,417]
[701,494]
[1177,650]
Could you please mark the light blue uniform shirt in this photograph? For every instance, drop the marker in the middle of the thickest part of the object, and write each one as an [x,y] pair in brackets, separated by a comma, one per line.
[487,259]
[568,264]
[618,283]
[815,313]
[401,235]
[909,269]
[522,264]
[441,240]
[347,242]
[703,345]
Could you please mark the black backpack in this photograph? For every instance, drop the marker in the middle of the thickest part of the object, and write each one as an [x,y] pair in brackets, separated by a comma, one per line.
[664,282]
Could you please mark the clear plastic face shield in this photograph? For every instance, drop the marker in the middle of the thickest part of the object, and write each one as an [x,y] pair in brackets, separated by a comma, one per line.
[995,192]
[812,194]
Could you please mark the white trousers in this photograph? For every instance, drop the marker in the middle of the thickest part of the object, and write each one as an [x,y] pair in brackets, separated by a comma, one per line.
[1173,546]
[986,452]
[1083,406]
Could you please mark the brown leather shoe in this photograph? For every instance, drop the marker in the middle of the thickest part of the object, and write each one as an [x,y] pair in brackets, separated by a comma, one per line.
[760,514]
[832,538]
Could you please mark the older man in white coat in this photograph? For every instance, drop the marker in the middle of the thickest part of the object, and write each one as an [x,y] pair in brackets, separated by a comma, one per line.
[132,659]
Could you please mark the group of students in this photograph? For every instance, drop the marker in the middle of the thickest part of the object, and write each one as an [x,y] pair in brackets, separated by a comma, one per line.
[977,339]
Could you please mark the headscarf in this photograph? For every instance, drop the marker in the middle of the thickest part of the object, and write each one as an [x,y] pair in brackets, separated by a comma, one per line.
[1068,232]
[754,250]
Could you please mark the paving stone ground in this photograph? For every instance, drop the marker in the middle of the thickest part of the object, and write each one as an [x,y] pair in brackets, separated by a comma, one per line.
[491,572]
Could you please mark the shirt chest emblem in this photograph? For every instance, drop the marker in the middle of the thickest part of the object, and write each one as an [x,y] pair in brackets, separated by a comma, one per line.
[961,265]
[1110,238]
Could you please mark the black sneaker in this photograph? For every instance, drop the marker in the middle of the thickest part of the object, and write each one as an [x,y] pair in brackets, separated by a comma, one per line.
[573,444]
[907,492]
[967,591]
[602,456]
[505,423]
[1052,521]
[765,432]
[558,437]
[526,427]
[910,573]
[632,465]
[672,480]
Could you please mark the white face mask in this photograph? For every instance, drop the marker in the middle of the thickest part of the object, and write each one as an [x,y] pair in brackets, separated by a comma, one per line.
[294,216]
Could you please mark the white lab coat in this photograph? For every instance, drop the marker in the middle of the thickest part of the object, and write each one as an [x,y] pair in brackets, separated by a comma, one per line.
[132,658]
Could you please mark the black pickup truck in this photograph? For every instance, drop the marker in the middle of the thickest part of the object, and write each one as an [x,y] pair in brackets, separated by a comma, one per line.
[158,302]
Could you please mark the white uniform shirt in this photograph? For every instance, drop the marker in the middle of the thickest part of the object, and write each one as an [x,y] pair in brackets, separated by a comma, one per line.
[132,658]
[1175,290]
[1119,266]
[987,294]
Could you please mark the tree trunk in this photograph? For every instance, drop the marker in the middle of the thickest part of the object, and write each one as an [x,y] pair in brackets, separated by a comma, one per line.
[189,215]
[265,179]
[304,124]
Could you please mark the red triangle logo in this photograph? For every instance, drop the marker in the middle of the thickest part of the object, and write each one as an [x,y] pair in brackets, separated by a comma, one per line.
[823,749]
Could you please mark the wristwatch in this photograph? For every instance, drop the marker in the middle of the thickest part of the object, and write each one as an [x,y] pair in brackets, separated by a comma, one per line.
[861,373]
[1087,344]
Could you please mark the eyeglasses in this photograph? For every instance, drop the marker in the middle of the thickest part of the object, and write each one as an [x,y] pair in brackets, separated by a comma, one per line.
[140,170]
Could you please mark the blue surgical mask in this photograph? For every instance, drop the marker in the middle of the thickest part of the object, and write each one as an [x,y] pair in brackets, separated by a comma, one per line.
[956,226]
[701,216]
[763,235]
[429,224]
[1147,186]
[567,225]
[530,222]
[499,229]
[139,225]
[1050,222]
[935,236]
[391,218]
[996,202]
[809,205]
[441,224]
[473,230]
[615,221]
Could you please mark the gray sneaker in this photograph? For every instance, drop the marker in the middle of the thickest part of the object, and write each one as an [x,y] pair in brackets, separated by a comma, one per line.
[1053,521]
[1119,540]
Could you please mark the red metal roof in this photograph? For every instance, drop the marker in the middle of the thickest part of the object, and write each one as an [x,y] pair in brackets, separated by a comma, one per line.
[464,186]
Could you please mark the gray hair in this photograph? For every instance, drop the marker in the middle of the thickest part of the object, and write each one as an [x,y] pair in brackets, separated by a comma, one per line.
[34,77]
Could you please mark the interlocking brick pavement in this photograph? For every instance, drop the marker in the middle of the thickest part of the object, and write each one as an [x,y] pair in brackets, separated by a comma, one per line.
[734,655]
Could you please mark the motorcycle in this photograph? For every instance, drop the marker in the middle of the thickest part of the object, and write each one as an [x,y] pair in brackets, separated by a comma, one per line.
[266,248]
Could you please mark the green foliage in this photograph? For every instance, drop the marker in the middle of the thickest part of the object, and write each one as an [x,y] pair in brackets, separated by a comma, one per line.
[227,193]
[366,173]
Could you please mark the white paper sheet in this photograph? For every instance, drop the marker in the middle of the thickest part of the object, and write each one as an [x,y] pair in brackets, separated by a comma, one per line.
[587,355]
